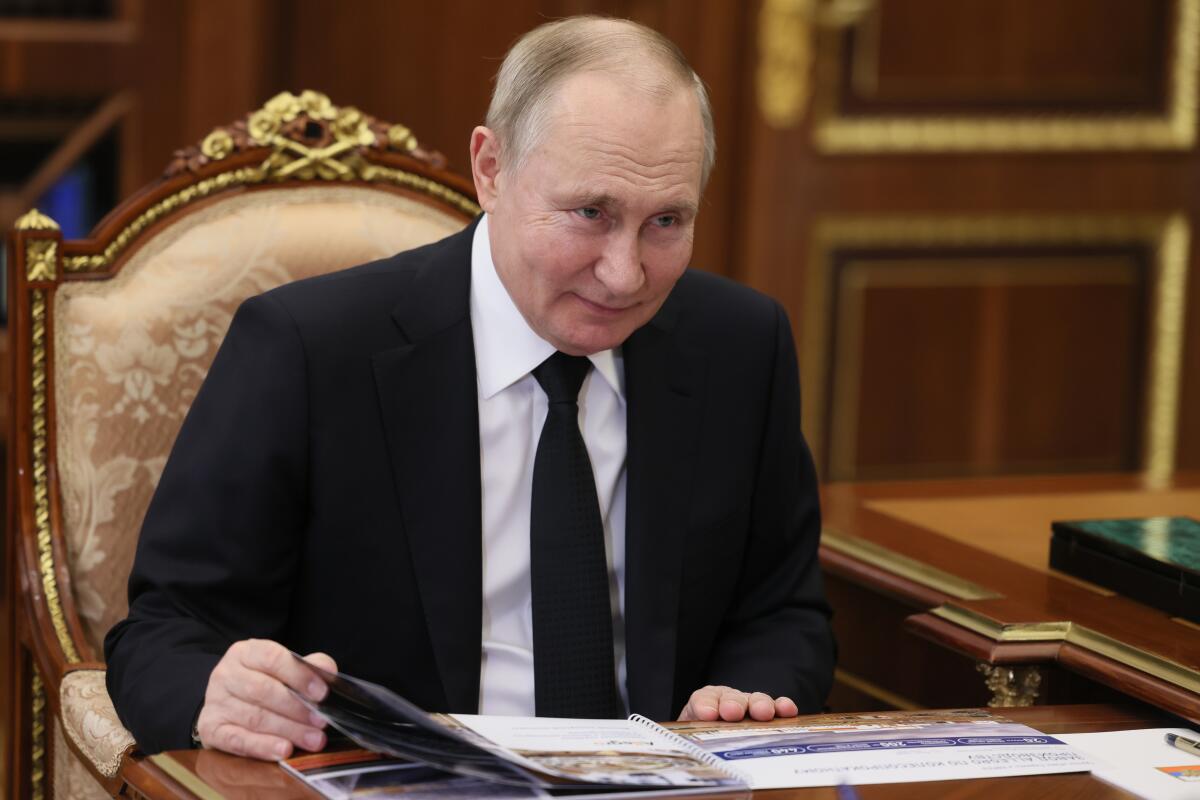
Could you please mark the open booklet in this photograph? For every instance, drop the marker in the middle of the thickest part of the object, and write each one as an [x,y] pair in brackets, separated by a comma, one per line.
[448,755]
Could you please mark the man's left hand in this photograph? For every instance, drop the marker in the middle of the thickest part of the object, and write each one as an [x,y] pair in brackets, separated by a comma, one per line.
[713,703]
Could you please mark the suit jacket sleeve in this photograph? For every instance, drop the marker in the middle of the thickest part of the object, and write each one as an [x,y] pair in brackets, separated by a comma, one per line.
[218,544]
[777,638]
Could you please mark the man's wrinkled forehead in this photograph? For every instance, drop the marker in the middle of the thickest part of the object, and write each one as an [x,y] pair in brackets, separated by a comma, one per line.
[573,97]
[599,119]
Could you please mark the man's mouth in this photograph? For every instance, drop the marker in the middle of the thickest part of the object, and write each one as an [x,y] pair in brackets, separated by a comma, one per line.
[601,308]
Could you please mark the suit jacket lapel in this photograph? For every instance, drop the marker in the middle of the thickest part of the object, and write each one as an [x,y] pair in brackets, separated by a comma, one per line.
[427,391]
[664,382]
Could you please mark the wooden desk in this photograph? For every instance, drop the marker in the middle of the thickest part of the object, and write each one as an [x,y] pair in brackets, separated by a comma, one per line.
[213,776]
[964,564]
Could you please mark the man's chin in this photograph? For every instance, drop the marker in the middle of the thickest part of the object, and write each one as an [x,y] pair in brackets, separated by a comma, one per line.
[592,339]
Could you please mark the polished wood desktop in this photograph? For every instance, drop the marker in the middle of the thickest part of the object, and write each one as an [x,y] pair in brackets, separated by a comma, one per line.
[209,775]
[952,579]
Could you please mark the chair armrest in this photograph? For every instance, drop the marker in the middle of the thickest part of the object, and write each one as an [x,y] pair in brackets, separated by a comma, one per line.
[91,722]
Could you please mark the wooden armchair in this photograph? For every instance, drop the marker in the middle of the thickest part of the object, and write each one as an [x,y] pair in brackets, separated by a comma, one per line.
[111,337]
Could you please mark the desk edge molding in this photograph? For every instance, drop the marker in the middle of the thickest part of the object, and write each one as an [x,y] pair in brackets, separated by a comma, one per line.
[1078,635]
[185,777]
[916,571]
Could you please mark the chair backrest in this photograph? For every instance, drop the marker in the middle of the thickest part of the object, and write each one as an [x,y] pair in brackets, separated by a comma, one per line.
[111,336]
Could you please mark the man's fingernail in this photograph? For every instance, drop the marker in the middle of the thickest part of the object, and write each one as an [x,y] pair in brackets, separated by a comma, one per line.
[281,750]
[316,720]
[312,741]
[316,690]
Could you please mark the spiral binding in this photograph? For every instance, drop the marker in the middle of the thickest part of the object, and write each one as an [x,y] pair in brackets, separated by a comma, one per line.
[703,755]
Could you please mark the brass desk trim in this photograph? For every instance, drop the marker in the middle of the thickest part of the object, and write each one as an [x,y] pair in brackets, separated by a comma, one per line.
[185,777]
[1078,635]
[905,567]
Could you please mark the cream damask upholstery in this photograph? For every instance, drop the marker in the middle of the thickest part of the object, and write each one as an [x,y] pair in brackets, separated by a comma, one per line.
[91,722]
[110,338]
[132,351]
[72,781]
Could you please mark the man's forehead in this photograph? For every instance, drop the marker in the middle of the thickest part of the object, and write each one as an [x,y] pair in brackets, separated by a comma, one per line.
[601,128]
[590,95]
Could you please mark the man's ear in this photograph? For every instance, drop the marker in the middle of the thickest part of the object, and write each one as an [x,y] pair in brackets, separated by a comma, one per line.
[485,166]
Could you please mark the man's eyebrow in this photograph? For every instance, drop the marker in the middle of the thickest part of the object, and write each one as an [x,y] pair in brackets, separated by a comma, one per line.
[685,208]
[584,200]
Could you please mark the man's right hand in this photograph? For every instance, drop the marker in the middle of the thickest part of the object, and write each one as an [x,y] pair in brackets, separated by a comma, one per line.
[248,708]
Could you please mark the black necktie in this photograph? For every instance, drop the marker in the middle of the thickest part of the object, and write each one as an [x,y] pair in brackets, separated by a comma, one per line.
[573,667]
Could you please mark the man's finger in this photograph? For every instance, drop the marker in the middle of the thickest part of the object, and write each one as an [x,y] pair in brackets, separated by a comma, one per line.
[714,703]
[261,720]
[274,659]
[733,704]
[761,707]
[785,707]
[262,690]
[322,660]
[237,740]
[703,704]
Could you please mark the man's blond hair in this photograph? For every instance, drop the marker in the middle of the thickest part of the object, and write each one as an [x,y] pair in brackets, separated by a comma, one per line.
[547,55]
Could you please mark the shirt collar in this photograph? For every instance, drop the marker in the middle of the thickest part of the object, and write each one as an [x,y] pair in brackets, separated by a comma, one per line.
[506,348]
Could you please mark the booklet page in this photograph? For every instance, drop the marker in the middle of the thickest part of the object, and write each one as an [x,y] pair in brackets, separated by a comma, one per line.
[600,751]
[886,748]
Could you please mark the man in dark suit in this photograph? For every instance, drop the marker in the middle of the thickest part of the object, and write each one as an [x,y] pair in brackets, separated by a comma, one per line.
[384,465]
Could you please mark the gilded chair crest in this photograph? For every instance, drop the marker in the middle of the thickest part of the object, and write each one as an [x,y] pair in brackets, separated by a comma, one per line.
[110,338]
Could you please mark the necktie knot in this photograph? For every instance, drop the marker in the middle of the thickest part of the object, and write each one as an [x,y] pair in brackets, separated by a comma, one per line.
[561,376]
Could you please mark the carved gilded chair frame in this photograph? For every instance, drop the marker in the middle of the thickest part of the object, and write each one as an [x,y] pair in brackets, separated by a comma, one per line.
[293,141]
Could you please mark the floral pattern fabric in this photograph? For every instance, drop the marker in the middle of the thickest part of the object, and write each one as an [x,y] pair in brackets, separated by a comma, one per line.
[91,720]
[131,352]
[72,781]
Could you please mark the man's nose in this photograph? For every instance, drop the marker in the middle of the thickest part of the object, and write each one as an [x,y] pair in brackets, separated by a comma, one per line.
[620,269]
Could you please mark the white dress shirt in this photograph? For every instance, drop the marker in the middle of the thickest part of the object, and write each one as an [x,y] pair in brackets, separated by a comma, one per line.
[512,410]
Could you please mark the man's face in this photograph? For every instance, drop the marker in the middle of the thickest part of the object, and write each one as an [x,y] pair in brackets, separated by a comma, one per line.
[591,232]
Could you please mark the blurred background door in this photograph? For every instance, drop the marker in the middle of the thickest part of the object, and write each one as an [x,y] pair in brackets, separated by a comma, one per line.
[980,212]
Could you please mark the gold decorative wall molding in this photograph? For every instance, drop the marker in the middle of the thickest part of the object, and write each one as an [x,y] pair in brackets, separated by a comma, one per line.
[785,60]
[1166,350]
[786,50]
[1165,237]
[1173,129]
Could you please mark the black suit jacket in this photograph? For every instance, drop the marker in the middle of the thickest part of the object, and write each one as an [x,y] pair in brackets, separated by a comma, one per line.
[324,492]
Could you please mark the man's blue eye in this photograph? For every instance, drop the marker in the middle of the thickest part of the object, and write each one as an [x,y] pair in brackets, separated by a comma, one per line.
[664,221]
[588,212]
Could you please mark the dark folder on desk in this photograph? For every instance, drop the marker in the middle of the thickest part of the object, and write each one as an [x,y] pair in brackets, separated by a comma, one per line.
[1155,560]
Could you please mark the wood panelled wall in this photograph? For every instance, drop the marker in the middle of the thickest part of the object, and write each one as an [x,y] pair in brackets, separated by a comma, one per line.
[979,213]
[982,214]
